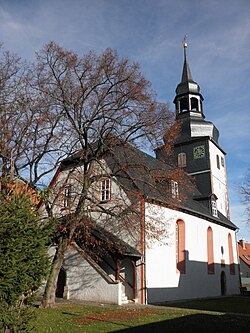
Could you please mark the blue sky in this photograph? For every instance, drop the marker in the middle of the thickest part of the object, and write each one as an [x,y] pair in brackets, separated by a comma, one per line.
[150,32]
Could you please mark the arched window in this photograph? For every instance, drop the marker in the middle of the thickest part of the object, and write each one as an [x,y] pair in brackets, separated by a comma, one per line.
[184,104]
[210,251]
[194,104]
[61,283]
[180,246]
[231,256]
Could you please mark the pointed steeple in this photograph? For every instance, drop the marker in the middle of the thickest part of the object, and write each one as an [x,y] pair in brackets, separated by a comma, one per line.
[187,84]
[188,106]
[186,73]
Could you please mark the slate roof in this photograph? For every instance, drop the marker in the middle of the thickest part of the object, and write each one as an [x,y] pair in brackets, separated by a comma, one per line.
[122,247]
[137,161]
[193,128]
[135,168]
[109,241]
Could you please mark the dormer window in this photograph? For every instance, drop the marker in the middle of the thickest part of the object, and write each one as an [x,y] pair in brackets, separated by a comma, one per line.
[182,160]
[214,208]
[174,189]
[105,190]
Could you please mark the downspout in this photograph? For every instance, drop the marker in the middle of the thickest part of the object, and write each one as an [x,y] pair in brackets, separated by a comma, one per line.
[142,248]
[238,258]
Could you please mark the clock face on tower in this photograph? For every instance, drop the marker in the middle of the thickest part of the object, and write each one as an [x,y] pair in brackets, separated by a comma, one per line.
[199,152]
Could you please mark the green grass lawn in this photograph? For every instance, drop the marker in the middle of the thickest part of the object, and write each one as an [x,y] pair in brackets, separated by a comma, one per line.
[79,318]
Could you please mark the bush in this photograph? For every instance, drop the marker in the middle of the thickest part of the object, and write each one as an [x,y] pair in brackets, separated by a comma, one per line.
[24,261]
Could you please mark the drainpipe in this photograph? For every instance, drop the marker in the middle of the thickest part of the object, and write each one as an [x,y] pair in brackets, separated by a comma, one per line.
[142,248]
[238,258]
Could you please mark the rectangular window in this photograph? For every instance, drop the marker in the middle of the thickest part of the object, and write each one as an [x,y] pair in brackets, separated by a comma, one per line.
[67,196]
[218,161]
[174,189]
[105,190]
[182,160]
[214,208]
[222,161]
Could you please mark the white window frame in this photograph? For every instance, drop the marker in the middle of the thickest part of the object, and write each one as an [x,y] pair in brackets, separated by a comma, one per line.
[174,189]
[214,208]
[105,189]
[67,195]
[182,160]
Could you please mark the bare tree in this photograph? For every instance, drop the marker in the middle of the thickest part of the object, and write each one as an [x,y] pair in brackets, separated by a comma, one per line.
[245,191]
[102,104]
[96,110]
[29,141]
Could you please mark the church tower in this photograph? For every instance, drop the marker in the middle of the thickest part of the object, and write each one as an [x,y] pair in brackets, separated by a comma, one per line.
[197,149]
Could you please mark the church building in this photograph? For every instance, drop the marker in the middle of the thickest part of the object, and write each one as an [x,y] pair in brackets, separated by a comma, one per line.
[197,257]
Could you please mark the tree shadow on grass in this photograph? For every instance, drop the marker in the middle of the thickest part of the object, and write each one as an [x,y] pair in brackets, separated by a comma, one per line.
[236,304]
[204,323]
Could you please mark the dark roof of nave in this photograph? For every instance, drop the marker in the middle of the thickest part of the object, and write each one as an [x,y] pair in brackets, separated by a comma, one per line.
[136,170]
[142,168]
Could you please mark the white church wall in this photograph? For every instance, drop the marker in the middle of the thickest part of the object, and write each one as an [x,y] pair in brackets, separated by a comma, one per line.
[218,178]
[165,283]
[84,282]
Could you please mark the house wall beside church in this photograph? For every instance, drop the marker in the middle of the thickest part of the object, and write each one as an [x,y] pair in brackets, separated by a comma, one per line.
[164,282]
[128,231]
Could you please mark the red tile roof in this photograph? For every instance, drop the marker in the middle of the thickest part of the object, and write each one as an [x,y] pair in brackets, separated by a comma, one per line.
[244,252]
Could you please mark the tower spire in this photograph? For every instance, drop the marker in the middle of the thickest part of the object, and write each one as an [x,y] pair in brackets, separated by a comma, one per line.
[185,45]
[188,100]
[186,73]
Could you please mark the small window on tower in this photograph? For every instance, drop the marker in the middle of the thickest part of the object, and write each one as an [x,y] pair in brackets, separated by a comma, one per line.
[184,104]
[222,161]
[182,160]
[105,190]
[218,161]
[194,104]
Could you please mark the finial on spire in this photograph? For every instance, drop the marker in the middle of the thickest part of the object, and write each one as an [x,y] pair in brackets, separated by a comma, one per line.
[184,42]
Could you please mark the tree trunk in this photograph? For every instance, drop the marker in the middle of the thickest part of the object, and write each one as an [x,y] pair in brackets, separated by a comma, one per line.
[50,289]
